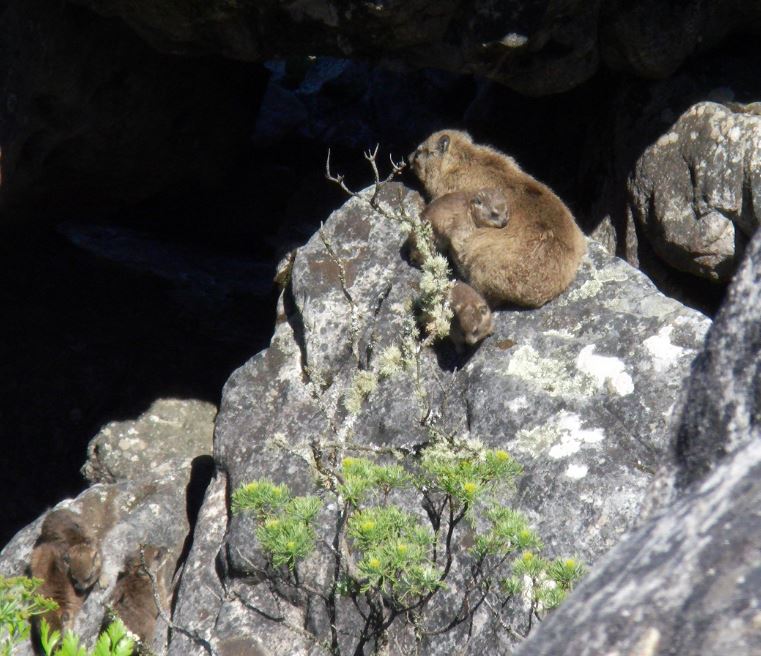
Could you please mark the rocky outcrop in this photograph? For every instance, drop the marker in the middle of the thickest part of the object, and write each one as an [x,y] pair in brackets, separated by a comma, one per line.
[535,48]
[149,478]
[121,517]
[696,193]
[579,391]
[171,430]
[687,581]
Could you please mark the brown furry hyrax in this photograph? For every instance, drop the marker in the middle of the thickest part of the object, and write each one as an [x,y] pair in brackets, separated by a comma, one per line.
[67,558]
[133,599]
[472,320]
[531,260]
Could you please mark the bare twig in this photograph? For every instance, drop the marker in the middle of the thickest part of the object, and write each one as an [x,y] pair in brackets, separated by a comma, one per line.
[378,183]
[338,179]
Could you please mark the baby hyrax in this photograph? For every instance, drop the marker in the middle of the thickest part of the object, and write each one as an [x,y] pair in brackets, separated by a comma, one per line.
[133,598]
[459,213]
[67,558]
[472,320]
[531,260]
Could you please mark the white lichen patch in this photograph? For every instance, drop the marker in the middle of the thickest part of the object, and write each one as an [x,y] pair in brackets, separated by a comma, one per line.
[563,334]
[548,374]
[657,305]
[607,372]
[131,444]
[664,354]
[517,404]
[576,471]
[589,289]
[560,438]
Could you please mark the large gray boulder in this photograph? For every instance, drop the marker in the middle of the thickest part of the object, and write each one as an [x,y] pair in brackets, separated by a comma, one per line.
[580,392]
[688,580]
[696,192]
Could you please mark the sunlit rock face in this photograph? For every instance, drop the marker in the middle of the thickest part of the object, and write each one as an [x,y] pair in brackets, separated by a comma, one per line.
[580,391]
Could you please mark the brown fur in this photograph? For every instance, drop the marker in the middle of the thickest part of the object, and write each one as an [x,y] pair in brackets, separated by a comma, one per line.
[133,599]
[458,213]
[472,319]
[535,257]
[66,557]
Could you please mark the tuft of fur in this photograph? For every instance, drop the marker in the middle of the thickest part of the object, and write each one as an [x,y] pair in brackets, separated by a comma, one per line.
[472,319]
[531,260]
[67,559]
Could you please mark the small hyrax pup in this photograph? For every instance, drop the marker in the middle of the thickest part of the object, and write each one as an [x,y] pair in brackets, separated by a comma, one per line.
[133,598]
[457,214]
[67,558]
[472,320]
[536,255]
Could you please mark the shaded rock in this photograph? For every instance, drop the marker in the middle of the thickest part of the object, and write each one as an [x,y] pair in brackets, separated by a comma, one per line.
[91,117]
[535,48]
[651,38]
[688,580]
[580,391]
[200,589]
[722,408]
[695,192]
[171,430]
[121,516]
[353,104]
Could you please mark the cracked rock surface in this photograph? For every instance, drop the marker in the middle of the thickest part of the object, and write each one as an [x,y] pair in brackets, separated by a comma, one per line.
[696,192]
[580,392]
[688,580]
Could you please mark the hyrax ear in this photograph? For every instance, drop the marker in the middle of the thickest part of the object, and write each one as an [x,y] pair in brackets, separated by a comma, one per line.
[443,145]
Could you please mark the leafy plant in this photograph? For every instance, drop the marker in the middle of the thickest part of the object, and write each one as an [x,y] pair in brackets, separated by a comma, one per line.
[394,562]
[114,641]
[19,602]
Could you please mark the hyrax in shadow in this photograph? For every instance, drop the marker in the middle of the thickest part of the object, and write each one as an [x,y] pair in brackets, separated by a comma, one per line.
[67,558]
[535,256]
[133,598]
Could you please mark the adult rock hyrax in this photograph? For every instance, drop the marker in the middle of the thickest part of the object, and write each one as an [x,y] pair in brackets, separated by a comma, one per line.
[531,260]
[67,559]
[472,320]
[133,598]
